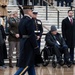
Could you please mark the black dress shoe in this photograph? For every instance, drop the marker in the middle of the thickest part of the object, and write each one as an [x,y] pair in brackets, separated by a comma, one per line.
[68,63]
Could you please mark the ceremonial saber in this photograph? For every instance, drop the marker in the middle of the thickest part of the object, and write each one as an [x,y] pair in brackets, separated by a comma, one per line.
[24,70]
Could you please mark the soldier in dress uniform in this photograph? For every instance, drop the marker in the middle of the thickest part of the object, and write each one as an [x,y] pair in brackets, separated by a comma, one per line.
[28,44]
[38,29]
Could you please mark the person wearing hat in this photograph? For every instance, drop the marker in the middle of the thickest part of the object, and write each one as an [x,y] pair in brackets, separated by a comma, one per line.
[38,29]
[28,44]
[56,42]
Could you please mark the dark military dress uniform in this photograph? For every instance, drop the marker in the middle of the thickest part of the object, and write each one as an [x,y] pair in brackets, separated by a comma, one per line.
[38,29]
[38,32]
[28,43]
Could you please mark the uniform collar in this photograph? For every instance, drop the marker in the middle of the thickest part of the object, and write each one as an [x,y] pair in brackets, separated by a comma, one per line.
[28,15]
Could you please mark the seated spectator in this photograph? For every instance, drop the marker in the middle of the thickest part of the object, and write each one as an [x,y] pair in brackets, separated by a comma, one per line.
[53,39]
[60,1]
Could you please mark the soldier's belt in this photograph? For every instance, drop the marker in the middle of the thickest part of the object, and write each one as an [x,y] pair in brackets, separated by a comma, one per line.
[37,31]
[25,36]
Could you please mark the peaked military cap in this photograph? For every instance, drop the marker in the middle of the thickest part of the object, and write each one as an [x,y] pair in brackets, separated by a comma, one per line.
[35,12]
[28,7]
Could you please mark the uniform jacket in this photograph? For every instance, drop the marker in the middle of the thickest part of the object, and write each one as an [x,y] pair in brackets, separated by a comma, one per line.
[68,31]
[50,40]
[38,29]
[27,45]
[13,28]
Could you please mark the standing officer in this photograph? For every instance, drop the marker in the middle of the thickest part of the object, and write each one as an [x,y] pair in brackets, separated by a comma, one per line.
[38,29]
[28,44]
[68,32]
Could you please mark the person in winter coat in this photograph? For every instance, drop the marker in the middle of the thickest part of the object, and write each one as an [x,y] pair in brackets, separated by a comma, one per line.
[68,32]
[56,42]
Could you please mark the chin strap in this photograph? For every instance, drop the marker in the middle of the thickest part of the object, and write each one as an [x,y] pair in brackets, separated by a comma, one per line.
[20,8]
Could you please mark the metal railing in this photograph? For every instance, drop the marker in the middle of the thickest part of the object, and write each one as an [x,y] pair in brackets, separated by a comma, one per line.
[49,4]
[73,10]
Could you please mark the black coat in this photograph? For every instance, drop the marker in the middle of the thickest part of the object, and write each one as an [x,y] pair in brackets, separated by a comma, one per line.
[27,45]
[4,44]
[68,32]
[50,40]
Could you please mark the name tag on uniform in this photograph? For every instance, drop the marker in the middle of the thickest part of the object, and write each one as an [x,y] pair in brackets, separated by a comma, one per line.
[58,42]
[37,31]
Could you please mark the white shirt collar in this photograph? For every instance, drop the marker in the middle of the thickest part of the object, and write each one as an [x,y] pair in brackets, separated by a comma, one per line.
[28,15]
[69,18]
